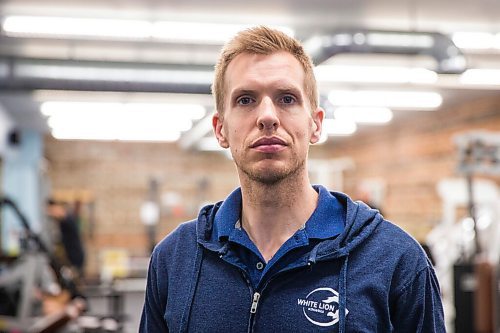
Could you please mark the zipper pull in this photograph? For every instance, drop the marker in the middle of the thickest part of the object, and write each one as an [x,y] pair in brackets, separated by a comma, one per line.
[255,302]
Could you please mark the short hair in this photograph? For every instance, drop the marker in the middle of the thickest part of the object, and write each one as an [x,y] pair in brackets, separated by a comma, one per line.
[266,41]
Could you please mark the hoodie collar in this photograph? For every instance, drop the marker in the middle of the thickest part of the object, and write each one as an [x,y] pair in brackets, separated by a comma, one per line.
[328,219]
[228,215]
[328,209]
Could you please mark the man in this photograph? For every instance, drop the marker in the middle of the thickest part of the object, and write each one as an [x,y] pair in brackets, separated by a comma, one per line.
[69,231]
[281,255]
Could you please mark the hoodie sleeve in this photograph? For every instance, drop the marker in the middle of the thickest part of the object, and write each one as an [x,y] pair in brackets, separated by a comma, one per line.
[418,307]
[152,320]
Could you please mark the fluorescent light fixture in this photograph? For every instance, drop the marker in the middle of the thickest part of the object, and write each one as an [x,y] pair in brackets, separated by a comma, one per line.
[79,27]
[163,110]
[475,40]
[369,115]
[82,73]
[212,33]
[120,121]
[399,39]
[102,135]
[190,32]
[391,99]
[338,127]
[384,74]
[481,76]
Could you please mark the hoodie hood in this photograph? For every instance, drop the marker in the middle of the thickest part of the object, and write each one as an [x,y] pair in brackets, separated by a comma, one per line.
[360,222]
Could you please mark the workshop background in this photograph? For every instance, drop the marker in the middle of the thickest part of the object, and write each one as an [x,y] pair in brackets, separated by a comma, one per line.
[106,106]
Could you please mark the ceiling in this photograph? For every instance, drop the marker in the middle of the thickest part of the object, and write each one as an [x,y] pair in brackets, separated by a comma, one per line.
[21,96]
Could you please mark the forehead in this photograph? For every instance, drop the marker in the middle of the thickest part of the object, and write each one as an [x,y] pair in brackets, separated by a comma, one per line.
[247,70]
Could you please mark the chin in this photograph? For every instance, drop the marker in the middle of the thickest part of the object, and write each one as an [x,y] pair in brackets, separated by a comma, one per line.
[268,178]
[270,174]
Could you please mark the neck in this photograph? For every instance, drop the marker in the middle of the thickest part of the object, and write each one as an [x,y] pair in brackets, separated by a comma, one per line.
[271,214]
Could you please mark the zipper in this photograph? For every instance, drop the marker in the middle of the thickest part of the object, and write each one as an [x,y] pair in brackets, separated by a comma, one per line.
[255,302]
[256,295]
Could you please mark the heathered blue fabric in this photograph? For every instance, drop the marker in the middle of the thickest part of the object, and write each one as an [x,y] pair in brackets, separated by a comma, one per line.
[373,272]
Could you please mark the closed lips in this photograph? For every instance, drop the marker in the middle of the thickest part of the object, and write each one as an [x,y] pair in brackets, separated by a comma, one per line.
[268,142]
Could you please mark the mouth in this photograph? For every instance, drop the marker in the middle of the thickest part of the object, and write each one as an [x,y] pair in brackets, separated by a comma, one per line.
[269,145]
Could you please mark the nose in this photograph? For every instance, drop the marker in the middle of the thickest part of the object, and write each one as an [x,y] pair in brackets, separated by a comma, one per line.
[267,115]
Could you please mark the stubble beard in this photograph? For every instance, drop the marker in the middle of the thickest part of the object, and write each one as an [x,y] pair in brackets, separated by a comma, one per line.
[272,176]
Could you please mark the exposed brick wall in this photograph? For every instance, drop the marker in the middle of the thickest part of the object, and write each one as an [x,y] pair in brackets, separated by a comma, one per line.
[411,155]
[115,175]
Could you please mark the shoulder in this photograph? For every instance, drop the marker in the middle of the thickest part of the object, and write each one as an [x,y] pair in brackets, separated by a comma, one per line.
[407,256]
[395,235]
[401,243]
[180,242]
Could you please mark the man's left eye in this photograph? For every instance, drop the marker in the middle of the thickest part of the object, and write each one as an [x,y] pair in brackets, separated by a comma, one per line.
[287,99]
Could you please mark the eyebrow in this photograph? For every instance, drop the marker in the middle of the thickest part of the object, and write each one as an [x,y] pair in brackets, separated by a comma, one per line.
[289,89]
[281,89]
[242,92]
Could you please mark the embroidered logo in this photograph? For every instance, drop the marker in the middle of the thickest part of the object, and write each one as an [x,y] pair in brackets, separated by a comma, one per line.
[321,307]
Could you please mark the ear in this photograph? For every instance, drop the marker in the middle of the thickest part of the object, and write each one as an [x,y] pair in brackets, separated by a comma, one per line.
[217,124]
[317,118]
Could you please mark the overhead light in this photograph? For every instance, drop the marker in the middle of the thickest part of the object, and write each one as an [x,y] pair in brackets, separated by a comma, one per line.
[481,76]
[78,27]
[190,32]
[89,73]
[391,99]
[338,127]
[165,111]
[370,115]
[399,39]
[197,32]
[102,135]
[476,40]
[385,74]
[120,121]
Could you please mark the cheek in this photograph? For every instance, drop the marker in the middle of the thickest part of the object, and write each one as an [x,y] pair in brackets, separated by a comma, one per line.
[303,126]
[303,134]
[235,140]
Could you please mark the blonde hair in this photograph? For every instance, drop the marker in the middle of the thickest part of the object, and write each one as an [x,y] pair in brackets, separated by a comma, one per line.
[262,40]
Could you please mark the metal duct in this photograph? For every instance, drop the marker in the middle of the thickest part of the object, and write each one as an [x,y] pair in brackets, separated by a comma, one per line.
[449,58]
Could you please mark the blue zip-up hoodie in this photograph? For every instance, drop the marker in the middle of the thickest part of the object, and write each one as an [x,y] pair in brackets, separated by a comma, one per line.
[373,273]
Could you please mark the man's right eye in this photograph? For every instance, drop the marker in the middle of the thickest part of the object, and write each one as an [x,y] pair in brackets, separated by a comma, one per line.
[244,100]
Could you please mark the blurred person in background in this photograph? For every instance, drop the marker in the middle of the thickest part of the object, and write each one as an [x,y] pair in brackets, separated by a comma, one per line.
[69,234]
[279,254]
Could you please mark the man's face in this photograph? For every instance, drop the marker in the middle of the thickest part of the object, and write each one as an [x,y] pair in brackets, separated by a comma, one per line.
[267,120]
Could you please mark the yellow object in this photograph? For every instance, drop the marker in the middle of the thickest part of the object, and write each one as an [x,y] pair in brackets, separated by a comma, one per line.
[114,264]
